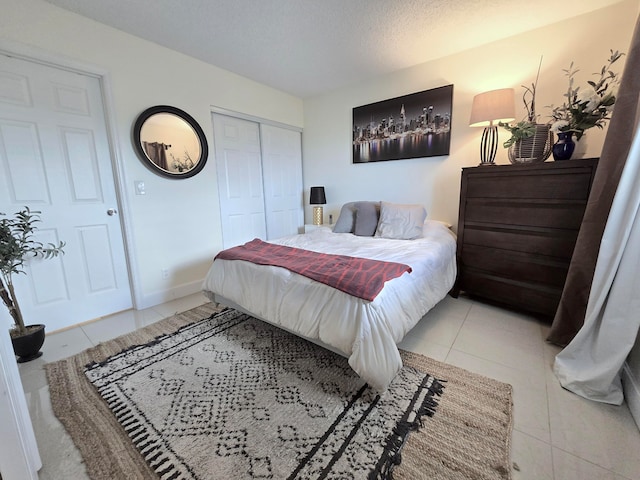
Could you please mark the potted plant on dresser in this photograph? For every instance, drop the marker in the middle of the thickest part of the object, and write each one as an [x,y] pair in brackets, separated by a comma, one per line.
[530,141]
[17,244]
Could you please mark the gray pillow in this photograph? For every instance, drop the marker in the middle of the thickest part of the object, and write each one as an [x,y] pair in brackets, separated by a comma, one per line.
[366,219]
[346,222]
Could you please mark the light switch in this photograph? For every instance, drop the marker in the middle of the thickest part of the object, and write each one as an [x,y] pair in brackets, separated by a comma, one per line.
[140,187]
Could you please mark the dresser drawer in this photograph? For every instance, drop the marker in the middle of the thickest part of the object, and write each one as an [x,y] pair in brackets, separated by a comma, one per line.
[564,185]
[516,265]
[558,244]
[523,295]
[517,212]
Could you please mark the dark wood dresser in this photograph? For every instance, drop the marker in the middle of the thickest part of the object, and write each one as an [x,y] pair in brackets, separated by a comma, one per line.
[517,228]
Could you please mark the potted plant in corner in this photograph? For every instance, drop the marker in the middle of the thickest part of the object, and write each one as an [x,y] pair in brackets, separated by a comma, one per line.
[530,141]
[16,245]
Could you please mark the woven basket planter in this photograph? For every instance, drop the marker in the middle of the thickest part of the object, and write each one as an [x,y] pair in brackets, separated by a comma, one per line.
[534,149]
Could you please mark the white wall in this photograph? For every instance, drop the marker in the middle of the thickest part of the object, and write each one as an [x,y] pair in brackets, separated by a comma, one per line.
[435,182]
[176,225]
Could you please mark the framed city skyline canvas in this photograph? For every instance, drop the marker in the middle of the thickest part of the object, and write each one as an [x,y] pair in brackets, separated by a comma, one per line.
[412,126]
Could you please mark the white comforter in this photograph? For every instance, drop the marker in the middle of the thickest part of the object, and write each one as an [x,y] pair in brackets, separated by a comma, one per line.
[365,332]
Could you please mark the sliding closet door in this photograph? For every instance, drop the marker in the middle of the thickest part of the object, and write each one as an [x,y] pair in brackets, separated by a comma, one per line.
[282,177]
[259,179]
[239,166]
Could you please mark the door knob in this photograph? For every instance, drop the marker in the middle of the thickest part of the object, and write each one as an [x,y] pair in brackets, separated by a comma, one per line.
[111,212]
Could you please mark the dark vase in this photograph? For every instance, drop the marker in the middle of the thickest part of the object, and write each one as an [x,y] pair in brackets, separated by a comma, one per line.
[27,347]
[564,147]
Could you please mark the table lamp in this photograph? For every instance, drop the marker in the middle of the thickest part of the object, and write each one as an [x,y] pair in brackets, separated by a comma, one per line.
[488,109]
[317,198]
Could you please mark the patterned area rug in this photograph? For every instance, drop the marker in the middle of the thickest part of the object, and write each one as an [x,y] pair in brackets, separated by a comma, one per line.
[218,394]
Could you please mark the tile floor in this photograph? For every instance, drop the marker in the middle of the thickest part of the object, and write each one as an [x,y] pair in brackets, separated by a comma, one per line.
[557,435]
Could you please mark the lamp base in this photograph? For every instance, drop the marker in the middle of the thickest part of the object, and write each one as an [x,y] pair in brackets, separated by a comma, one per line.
[489,145]
[317,215]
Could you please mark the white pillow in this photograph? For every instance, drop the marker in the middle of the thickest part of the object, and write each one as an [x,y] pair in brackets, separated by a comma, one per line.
[403,222]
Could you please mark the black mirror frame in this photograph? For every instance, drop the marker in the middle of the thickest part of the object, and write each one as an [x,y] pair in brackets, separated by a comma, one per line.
[137,128]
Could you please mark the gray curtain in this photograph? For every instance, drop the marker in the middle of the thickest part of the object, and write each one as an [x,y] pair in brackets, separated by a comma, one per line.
[571,312]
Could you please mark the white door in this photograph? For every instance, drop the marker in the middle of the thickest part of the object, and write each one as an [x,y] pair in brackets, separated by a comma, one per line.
[282,176]
[55,158]
[239,166]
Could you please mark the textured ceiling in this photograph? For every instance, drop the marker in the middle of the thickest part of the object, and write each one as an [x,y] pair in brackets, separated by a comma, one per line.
[308,47]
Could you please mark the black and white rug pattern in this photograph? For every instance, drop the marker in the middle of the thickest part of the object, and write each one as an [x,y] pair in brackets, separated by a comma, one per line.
[231,397]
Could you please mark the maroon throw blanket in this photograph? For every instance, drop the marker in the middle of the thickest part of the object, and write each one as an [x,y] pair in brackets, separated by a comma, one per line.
[360,277]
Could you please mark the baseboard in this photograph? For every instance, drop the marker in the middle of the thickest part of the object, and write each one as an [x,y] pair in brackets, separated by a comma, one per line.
[173,293]
[631,387]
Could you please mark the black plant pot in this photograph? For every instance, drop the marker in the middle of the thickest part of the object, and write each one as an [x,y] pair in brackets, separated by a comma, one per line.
[27,347]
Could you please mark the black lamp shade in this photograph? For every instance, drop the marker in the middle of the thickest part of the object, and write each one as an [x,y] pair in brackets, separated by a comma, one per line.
[317,196]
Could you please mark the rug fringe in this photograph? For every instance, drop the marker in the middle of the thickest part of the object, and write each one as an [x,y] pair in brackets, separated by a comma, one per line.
[392,454]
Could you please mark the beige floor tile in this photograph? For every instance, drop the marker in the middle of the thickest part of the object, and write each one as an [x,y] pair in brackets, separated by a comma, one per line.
[63,344]
[491,316]
[180,304]
[570,467]
[60,458]
[434,334]
[452,307]
[437,327]
[605,435]
[531,458]
[485,338]
[120,323]
[550,351]
[422,346]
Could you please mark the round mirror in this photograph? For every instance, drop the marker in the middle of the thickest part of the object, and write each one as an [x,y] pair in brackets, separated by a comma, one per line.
[170,142]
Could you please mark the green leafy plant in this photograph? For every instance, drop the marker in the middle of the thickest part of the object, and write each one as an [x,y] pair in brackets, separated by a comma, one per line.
[587,107]
[519,131]
[16,246]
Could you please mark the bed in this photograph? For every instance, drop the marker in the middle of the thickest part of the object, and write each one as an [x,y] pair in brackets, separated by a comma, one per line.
[366,332]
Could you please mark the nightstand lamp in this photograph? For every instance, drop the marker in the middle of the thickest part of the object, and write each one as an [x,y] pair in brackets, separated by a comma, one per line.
[489,109]
[317,198]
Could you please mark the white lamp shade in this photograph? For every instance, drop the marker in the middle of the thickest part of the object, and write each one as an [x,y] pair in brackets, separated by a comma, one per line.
[492,107]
